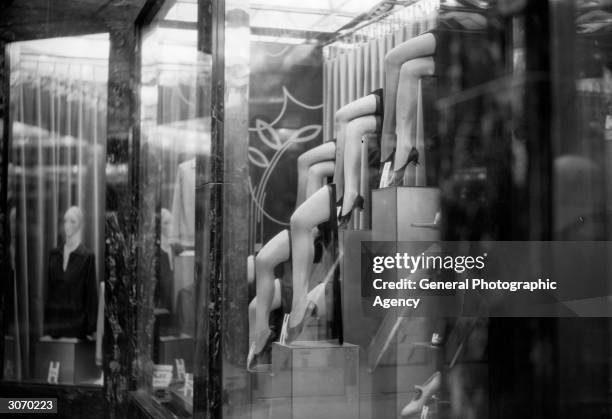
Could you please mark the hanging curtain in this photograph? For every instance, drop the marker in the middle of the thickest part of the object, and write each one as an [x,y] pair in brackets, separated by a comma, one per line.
[58,111]
[354,67]
[172,79]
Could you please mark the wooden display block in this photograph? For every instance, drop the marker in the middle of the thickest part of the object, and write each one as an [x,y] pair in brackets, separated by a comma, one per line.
[76,359]
[309,379]
[405,214]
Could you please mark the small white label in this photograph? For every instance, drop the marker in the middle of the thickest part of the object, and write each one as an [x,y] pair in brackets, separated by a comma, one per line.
[188,389]
[53,375]
[180,369]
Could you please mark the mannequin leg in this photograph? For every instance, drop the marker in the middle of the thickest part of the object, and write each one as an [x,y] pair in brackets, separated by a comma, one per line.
[360,107]
[323,152]
[407,102]
[317,174]
[273,253]
[355,130]
[313,211]
[276,303]
[421,46]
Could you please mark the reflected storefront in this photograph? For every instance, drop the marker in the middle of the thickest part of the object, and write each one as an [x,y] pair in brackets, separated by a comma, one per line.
[193,192]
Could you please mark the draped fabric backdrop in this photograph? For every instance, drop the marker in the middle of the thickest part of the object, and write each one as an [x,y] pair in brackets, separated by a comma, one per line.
[354,66]
[58,110]
[172,80]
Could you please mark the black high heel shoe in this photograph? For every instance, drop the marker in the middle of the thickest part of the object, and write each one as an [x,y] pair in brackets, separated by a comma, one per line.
[344,219]
[397,179]
[257,361]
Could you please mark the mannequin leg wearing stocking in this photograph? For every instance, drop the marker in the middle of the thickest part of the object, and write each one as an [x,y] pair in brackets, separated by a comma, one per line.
[323,152]
[312,212]
[363,106]
[406,151]
[272,254]
[421,46]
[276,304]
[316,176]
[355,130]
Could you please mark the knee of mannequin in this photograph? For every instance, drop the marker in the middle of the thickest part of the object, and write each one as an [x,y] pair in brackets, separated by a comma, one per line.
[392,61]
[410,70]
[356,129]
[416,69]
[302,162]
[298,223]
[261,262]
[314,172]
[341,116]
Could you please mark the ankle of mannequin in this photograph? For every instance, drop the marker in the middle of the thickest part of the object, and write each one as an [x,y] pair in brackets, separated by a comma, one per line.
[388,141]
[347,202]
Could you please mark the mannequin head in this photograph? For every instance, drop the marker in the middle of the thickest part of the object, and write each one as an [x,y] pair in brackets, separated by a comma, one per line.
[73,222]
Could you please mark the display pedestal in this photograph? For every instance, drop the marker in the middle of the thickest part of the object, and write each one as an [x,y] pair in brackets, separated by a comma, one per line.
[176,347]
[309,380]
[400,364]
[184,403]
[76,359]
[392,361]
[405,213]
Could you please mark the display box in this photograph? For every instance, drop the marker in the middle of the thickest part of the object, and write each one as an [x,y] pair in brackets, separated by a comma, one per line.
[76,359]
[172,348]
[405,214]
[310,379]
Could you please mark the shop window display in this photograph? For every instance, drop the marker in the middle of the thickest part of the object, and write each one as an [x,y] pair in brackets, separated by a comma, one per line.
[56,205]
[378,138]
[419,145]
[174,133]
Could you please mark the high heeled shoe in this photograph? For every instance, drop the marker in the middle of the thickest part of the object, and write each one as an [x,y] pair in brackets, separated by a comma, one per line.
[259,360]
[344,219]
[424,393]
[292,333]
[397,178]
[435,225]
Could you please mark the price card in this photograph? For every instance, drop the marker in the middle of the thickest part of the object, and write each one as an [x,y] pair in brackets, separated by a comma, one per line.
[180,369]
[162,376]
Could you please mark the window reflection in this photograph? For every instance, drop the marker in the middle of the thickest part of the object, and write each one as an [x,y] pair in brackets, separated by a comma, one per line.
[56,207]
[175,132]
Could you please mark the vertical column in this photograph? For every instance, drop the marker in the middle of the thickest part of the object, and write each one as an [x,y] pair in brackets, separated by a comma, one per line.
[523,368]
[222,219]
[4,210]
[121,221]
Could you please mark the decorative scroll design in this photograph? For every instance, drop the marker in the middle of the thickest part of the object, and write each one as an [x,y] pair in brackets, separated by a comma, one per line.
[271,138]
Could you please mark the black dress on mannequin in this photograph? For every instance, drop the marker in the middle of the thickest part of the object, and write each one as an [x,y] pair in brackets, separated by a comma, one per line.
[72,297]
